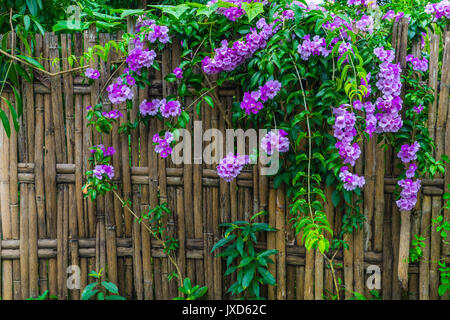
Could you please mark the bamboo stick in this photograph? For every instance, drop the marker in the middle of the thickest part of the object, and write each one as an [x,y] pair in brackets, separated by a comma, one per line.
[7,275]
[271,241]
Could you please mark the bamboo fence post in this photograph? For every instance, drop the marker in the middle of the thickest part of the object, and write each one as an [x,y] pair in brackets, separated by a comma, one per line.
[145,148]
[443,127]
[51,43]
[358,236]
[7,268]
[424,265]
[281,243]
[271,241]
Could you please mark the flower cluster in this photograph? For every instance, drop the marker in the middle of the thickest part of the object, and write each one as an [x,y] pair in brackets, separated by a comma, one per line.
[275,140]
[171,108]
[390,14]
[113,114]
[150,108]
[365,24]
[92,73]
[140,57]
[364,3]
[411,172]
[417,64]
[107,152]
[407,152]
[228,58]
[351,181]
[439,10]
[230,166]
[251,102]
[309,7]
[178,73]
[163,144]
[316,46]
[418,109]
[119,92]
[103,169]
[156,32]
[343,48]
[410,188]
[167,109]
[344,132]
[408,195]
[389,84]
[233,12]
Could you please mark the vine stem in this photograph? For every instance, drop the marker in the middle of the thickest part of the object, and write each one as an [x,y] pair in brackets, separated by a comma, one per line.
[39,69]
[171,258]
[330,261]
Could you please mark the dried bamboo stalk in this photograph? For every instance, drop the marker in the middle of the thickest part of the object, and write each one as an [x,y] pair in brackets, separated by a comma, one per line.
[281,244]
[271,241]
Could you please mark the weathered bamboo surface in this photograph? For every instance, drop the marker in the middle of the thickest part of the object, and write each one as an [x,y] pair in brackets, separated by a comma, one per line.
[51,227]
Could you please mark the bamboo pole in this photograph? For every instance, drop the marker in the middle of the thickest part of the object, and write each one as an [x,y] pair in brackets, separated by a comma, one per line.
[271,241]
[7,267]
[51,105]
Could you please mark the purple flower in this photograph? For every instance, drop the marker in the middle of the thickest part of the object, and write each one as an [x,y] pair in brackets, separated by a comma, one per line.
[384,55]
[351,181]
[110,151]
[411,170]
[150,108]
[171,108]
[365,24]
[418,109]
[417,64]
[230,166]
[251,105]
[163,144]
[408,195]
[178,73]
[130,80]
[407,152]
[92,73]
[139,58]
[440,10]
[118,92]
[88,108]
[364,3]
[113,114]
[275,140]
[229,58]
[103,169]
[269,90]
[316,46]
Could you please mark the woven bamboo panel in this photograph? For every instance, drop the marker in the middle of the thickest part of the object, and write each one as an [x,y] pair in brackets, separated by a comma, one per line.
[51,226]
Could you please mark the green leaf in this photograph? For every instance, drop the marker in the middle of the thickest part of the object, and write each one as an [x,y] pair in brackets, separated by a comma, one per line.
[32,6]
[89,291]
[176,11]
[5,123]
[200,292]
[31,61]
[111,287]
[223,241]
[248,277]
[26,22]
[209,100]
[115,298]
[267,276]
[252,9]
[245,261]
[130,12]
[335,198]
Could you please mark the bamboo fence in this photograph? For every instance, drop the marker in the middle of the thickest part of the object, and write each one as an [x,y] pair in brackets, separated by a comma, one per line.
[51,226]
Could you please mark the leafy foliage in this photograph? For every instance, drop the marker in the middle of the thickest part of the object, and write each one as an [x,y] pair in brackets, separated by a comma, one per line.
[100,290]
[243,258]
